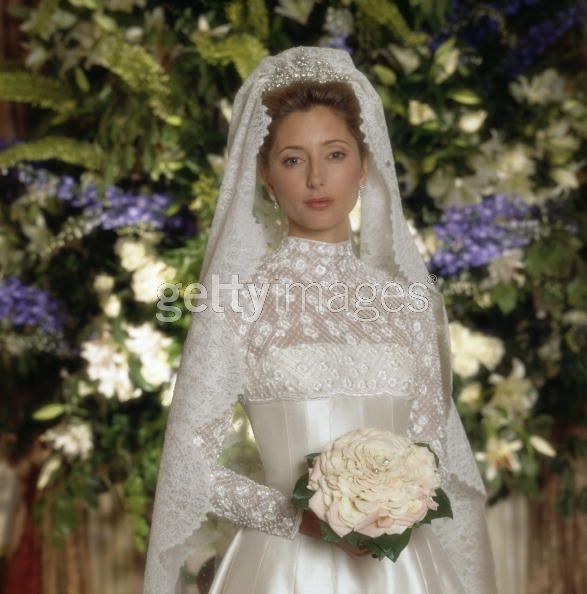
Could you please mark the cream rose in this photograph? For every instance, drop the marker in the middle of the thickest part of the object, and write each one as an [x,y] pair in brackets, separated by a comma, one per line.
[374,482]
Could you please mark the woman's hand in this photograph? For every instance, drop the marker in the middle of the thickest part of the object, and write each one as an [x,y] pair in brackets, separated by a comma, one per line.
[310,526]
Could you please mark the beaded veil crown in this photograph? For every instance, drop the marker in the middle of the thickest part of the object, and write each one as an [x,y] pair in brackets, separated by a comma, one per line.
[303,67]
[242,234]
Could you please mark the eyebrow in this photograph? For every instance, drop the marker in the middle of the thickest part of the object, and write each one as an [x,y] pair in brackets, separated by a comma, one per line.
[302,148]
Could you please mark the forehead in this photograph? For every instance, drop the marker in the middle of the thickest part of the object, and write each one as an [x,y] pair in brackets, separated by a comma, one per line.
[316,124]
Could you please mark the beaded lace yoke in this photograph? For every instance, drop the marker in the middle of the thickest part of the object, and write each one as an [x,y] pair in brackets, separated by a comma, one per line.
[368,338]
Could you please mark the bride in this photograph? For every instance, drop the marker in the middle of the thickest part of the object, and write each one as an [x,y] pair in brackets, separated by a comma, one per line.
[314,341]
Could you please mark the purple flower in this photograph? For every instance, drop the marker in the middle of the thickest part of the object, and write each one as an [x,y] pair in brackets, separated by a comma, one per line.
[474,235]
[31,307]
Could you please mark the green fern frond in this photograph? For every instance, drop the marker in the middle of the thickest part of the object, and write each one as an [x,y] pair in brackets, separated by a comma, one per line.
[250,17]
[241,49]
[259,18]
[387,14]
[35,89]
[137,68]
[235,13]
[68,150]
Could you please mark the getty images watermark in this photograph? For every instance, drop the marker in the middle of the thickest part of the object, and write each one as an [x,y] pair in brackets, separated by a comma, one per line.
[169,293]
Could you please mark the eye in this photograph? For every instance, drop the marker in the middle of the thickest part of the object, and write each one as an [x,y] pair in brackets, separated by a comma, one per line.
[285,162]
[339,153]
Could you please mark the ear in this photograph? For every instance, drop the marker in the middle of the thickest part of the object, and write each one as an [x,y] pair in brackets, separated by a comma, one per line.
[263,176]
[364,171]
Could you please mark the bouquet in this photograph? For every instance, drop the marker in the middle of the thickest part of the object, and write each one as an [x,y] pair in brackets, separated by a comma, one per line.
[371,487]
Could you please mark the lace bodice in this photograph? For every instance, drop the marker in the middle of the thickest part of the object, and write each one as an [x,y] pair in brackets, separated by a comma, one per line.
[314,321]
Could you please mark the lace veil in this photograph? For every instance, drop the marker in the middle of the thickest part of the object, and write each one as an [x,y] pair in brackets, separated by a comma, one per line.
[243,232]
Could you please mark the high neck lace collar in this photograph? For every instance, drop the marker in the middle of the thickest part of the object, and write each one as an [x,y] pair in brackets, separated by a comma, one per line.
[298,258]
[303,245]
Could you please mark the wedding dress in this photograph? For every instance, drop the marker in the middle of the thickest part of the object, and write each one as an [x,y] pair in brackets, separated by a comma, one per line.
[312,376]
[306,377]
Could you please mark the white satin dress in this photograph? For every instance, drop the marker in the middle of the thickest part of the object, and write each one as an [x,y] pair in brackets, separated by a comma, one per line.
[260,563]
[311,377]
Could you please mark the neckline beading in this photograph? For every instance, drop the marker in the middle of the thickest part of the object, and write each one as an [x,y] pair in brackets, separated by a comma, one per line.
[323,248]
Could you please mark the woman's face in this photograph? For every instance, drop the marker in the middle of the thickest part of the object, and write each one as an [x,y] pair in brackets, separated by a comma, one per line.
[314,156]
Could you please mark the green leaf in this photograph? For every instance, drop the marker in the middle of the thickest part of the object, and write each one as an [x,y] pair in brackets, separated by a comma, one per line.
[310,458]
[139,70]
[386,75]
[577,292]
[464,96]
[427,446]
[48,412]
[505,295]
[301,494]
[444,509]
[388,15]
[243,50]
[328,533]
[389,545]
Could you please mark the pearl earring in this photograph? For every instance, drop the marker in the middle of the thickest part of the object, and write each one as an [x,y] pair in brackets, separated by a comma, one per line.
[361,188]
[274,200]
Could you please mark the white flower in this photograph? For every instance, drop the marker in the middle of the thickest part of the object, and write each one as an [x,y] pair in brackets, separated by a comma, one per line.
[103,283]
[134,34]
[515,162]
[420,113]
[515,395]
[133,254]
[150,345]
[546,87]
[448,189]
[550,351]
[108,365]
[408,58]
[73,439]
[556,140]
[111,306]
[500,455]
[84,389]
[567,177]
[507,268]
[446,60]
[575,317]
[295,10]
[471,122]
[471,394]
[471,349]
[148,277]
[37,232]
[502,168]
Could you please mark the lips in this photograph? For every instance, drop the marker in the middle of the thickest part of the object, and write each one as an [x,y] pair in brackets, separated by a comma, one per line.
[319,203]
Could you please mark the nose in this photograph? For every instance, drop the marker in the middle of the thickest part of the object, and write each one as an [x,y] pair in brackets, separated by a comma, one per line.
[315,175]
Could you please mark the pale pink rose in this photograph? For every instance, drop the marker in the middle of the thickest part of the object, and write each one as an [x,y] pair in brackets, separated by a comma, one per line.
[374,482]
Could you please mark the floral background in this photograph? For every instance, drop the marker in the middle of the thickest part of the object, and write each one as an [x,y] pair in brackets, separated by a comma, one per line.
[112,193]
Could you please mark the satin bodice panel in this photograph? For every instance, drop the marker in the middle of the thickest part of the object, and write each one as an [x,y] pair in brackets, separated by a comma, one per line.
[287,430]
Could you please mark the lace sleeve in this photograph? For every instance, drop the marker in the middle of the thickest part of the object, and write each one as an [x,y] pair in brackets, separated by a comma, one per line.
[435,420]
[190,483]
[240,499]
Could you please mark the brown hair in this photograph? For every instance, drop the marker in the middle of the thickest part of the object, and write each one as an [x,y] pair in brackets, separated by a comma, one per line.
[302,96]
